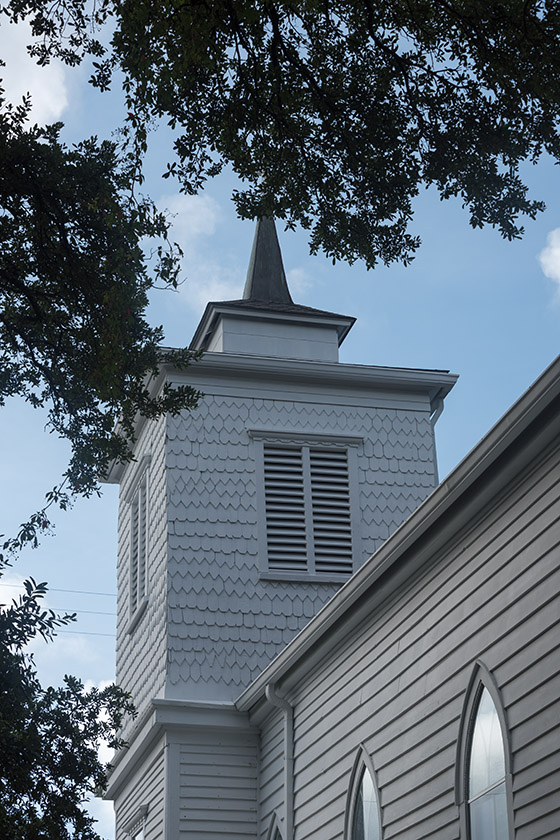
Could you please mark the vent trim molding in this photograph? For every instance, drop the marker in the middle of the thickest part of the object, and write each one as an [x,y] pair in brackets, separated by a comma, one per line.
[297,436]
[307,506]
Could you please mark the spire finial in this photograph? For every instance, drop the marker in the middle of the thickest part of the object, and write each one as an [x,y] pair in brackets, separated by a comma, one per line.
[266,279]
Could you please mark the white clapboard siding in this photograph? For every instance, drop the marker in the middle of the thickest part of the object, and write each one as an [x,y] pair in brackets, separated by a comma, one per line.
[271,767]
[218,788]
[146,787]
[398,683]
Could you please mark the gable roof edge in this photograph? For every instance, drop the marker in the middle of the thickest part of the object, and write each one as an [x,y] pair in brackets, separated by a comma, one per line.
[542,396]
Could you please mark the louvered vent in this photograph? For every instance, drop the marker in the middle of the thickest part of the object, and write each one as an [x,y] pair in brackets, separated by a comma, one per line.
[307,503]
[142,539]
[134,512]
[330,499]
[138,546]
[285,508]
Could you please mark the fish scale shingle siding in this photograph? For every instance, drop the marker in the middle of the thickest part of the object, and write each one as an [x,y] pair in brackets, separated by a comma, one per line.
[225,622]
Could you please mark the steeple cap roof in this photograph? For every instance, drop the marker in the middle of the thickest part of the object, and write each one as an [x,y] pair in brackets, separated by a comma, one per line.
[269,314]
[266,278]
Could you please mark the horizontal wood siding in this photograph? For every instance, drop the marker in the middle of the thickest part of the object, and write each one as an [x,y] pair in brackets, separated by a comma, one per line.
[146,787]
[218,786]
[271,792]
[398,684]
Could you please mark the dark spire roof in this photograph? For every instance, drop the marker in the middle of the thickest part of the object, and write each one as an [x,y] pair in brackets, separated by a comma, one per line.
[266,294]
[266,278]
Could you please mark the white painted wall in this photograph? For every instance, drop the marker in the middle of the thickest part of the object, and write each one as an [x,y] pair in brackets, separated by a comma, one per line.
[226,621]
[280,338]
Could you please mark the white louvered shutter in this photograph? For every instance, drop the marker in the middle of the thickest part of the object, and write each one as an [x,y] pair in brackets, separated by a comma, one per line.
[142,539]
[307,504]
[285,508]
[330,500]
[138,528]
[134,523]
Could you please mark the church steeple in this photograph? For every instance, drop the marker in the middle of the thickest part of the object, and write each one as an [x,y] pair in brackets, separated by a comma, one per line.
[266,321]
[266,278]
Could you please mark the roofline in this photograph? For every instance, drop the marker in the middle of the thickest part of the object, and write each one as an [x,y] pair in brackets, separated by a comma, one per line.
[164,715]
[533,406]
[436,383]
[207,323]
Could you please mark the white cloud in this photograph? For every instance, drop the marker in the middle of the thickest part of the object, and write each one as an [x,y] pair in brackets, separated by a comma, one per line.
[299,282]
[194,220]
[11,588]
[549,257]
[21,75]
[104,813]
[192,217]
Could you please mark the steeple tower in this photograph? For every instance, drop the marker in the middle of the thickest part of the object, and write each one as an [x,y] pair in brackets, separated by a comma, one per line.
[239,520]
[266,321]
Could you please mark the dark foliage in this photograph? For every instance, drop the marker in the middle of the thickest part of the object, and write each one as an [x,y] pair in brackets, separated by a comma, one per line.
[335,114]
[49,738]
[73,284]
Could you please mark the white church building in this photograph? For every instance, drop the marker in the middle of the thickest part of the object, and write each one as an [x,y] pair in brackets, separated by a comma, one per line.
[321,642]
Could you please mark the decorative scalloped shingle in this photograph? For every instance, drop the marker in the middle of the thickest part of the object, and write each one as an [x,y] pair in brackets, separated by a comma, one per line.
[212,623]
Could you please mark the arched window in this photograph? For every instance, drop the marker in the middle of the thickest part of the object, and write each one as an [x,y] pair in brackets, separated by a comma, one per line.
[484,786]
[274,832]
[487,774]
[363,814]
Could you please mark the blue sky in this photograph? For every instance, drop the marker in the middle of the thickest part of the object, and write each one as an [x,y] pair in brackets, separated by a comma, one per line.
[471,303]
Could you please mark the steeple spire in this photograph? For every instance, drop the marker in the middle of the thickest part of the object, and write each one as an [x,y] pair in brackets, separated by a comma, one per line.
[266,278]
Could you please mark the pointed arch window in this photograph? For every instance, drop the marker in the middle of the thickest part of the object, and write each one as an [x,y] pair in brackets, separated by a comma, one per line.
[487,774]
[274,832]
[363,814]
[484,767]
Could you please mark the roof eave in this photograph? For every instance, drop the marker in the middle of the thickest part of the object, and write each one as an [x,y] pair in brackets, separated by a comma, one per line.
[432,517]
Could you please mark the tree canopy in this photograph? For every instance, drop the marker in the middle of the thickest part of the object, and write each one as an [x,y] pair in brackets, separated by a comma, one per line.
[49,738]
[74,278]
[334,114]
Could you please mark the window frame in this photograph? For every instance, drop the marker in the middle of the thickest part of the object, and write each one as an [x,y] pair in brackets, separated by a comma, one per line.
[310,440]
[139,487]
[136,825]
[481,678]
[274,830]
[363,761]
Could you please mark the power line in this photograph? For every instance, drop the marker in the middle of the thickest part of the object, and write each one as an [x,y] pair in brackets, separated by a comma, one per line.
[73,591]
[85,633]
[80,612]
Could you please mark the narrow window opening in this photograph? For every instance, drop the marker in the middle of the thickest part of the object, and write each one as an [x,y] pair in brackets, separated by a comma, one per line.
[274,832]
[487,799]
[483,788]
[363,811]
[138,545]
[365,820]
